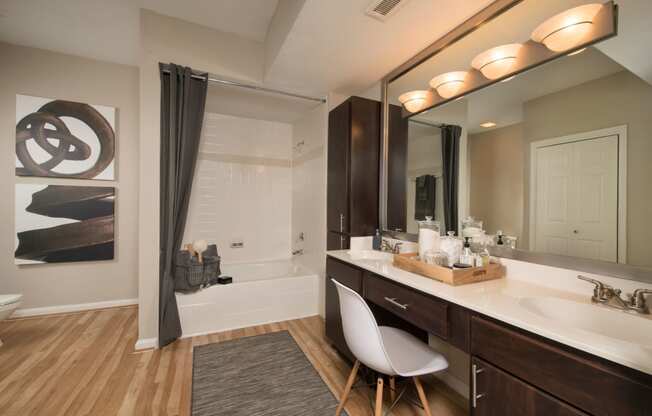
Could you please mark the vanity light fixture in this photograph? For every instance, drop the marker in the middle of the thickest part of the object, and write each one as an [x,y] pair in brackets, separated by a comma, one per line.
[576,52]
[448,84]
[497,62]
[567,29]
[488,124]
[414,101]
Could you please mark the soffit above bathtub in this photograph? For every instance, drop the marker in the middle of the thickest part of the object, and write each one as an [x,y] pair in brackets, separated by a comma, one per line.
[247,18]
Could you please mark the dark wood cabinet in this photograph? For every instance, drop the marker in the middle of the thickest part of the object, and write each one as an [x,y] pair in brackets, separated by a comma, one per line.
[594,385]
[516,372]
[397,143]
[500,394]
[353,171]
[350,277]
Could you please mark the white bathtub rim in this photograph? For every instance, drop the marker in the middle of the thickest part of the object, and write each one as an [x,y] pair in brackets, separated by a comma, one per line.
[264,322]
[249,282]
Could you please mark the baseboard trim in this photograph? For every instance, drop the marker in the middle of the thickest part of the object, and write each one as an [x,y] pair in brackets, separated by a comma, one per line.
[51,310]
[454,383]
[146,344]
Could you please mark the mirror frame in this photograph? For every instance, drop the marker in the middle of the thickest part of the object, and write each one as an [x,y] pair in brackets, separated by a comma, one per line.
[492,11]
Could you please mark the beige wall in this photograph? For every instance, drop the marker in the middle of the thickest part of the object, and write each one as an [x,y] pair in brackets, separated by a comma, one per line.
[52,75]
[496,164]
[618,99]
[165,39]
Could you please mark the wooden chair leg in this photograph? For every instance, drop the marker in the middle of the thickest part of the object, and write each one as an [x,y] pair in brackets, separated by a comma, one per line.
[392,389]
[379,397]
[422,396]
[347,389]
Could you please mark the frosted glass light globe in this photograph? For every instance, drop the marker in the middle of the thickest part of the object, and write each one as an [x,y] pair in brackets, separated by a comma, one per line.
[568,29]
[414,101]
[448,84]
[497,62]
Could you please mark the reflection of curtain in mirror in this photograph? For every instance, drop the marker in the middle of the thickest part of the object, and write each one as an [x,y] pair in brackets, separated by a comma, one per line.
[450,152]
[425,197]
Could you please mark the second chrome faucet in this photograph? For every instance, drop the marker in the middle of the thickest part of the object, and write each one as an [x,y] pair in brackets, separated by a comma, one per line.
[610,296]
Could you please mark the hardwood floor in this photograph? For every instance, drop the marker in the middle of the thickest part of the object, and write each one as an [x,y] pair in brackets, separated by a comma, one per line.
[84,364]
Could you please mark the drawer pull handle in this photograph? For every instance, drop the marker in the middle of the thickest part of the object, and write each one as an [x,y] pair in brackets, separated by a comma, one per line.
[474,394]
[397,304]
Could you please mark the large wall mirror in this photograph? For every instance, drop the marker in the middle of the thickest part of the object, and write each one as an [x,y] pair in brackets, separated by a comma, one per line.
[547,140]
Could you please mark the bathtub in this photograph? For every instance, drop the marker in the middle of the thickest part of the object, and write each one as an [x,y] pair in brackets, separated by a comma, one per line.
[261,293]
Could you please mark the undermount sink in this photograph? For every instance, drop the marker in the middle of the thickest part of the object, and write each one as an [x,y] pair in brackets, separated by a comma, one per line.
[370,255]
[597,319]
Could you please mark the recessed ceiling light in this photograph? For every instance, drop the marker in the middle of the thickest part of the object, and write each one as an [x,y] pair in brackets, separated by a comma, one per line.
[488,124]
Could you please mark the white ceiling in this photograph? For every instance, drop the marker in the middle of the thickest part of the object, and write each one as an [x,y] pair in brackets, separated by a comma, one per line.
[247,18]
[334,46]
[329,46]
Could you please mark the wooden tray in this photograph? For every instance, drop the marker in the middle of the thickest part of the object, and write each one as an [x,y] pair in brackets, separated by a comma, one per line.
[409,262]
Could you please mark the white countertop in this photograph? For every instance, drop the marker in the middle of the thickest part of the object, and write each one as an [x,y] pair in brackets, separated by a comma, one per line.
[502,300]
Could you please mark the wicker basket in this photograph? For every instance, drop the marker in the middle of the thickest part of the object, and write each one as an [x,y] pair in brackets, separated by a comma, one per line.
[190,274]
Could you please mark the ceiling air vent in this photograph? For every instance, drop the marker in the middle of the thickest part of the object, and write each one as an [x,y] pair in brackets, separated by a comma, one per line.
[382,9]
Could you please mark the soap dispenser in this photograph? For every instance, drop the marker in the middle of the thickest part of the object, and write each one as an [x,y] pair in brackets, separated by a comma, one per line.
[467,256]
[377,241]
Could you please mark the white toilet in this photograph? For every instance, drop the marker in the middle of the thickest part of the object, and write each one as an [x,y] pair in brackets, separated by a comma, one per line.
[8,304]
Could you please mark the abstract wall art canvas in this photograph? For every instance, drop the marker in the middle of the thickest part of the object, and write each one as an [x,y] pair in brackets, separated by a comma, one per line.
[64,139]
[58,223]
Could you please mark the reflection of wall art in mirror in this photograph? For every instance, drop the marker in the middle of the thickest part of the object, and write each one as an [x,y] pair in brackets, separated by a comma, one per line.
[57,223]
[64,139]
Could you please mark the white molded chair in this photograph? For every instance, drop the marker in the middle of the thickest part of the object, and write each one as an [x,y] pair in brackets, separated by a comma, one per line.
[387,350]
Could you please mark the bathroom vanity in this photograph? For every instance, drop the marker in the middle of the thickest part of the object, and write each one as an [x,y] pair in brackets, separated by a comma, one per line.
[521,363]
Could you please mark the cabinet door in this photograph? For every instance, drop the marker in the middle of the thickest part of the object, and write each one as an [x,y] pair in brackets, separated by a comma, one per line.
[364,166]
[397,170]
[350,277]
[337,241]
[497,393]
[339,128]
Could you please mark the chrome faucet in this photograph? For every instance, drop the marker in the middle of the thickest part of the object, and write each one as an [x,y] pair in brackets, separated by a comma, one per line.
[638,302]
[609,296]
[389,247]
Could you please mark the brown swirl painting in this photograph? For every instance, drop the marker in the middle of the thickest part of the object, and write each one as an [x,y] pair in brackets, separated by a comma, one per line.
[58,223]
[64,139]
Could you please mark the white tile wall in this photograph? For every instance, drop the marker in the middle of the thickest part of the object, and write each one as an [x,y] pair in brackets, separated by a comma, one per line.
[309,192]
[249,201]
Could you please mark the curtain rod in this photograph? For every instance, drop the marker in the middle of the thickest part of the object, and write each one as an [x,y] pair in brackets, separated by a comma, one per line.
[212,78]
[425,123]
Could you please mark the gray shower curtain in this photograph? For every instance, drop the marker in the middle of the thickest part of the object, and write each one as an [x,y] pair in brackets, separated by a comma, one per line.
[450,151]
[183,97]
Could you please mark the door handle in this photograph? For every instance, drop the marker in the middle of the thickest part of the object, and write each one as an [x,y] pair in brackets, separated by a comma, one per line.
[397,304]
[341,223]
[474,385]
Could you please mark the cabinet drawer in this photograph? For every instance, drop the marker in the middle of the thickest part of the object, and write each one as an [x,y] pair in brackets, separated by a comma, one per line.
[593,385]
[347,275]
[423,311]
[499,394]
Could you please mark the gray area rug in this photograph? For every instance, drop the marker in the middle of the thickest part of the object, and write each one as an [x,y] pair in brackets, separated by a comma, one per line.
[264,375]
